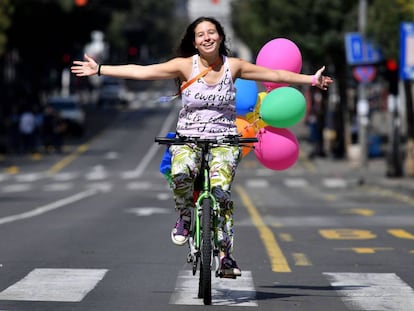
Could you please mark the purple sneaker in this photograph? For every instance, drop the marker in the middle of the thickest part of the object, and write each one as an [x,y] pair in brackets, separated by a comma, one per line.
[229,268]
[181,230]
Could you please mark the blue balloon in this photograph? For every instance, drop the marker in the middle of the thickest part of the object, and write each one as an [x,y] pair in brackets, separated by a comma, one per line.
[246,96]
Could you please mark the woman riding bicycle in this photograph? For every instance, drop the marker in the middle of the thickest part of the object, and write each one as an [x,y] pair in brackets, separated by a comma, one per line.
[206,74]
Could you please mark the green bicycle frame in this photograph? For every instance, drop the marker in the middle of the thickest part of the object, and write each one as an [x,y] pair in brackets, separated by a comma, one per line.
[204,194]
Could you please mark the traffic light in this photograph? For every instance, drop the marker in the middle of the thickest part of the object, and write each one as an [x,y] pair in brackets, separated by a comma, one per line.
[66,58]
[392,76]
[81,2]
[132,51]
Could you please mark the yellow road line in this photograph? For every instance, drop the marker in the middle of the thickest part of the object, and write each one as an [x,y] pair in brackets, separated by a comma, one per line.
[277,259]
[68,159]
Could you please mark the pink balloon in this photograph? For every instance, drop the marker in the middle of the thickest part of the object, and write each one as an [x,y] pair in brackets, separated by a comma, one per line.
[280,53]
[277,148]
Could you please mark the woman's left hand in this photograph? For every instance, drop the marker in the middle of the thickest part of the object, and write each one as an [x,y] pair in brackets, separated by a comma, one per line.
[321,81]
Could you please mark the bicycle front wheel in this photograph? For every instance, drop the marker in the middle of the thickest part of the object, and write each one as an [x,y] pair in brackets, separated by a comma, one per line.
[205,271]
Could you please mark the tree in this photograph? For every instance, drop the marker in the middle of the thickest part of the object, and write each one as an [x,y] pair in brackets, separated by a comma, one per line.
[6,11]
[385,17]
[316,26]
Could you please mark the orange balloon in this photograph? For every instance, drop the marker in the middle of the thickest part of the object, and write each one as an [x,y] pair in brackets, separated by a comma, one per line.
[246,130]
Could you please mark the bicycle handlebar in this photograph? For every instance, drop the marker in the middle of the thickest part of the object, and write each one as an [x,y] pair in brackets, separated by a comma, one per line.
[227,140]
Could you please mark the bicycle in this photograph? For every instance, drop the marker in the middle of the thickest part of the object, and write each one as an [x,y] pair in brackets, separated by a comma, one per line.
[203,244]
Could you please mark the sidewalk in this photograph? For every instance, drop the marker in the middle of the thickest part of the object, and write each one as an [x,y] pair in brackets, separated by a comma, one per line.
[374,173]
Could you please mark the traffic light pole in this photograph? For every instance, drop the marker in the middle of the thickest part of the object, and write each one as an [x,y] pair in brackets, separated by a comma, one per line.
[362,104]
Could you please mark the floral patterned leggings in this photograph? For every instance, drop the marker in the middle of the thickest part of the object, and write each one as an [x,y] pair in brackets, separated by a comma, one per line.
[185,165]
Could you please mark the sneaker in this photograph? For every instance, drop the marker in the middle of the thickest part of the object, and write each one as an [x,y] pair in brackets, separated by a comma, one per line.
[229,268]
[181,231]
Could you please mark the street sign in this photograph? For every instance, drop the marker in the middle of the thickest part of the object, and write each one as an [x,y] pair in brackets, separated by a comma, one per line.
[407,51]
[364,74]
[359,51]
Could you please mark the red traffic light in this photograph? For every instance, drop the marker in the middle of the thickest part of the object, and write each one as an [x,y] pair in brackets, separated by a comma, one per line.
[391,65]
[81,2]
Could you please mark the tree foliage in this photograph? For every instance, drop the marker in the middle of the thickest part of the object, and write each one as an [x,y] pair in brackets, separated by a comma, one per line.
[316,26]
[384,18]
[6,11]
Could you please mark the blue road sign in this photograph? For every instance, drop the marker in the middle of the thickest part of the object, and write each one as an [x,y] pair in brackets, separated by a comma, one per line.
[407,51]
[359,51]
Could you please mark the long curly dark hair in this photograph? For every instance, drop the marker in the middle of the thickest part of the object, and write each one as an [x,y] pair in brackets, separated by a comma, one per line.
[186,47]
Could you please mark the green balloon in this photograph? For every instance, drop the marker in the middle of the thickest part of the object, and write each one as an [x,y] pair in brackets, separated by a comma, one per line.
[283,107]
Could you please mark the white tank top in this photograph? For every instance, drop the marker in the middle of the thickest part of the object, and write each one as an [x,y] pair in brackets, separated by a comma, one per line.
[208,110]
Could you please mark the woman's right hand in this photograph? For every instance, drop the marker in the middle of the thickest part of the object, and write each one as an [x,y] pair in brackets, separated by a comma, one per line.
[88,67]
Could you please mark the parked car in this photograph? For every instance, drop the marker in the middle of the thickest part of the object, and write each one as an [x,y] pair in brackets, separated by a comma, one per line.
[70,110]
[112,91]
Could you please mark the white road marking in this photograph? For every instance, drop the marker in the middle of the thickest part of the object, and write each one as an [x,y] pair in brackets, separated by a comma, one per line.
[163,196]
[29,177]
[16,188]
[334,183]
[295,182]
[139,185]
[225,292]
[111,155]
[58,186]
[264,172]
[65,176]
[148,211]
[373,291]
[49,207]
[98,173]
[68,285]
[4,177]
[257,183]
[137,172]
[101,186]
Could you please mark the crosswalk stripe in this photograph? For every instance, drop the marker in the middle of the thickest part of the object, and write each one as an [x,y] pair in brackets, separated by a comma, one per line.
[295,182]
[101,176]
[334,182]
[373,291]
[16,188]
[225,292]
[65,285]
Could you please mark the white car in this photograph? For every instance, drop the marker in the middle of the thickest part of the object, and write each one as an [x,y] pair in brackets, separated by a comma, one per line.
[71,111]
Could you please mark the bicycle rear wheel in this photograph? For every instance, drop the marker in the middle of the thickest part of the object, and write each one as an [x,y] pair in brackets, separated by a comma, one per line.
[205,269]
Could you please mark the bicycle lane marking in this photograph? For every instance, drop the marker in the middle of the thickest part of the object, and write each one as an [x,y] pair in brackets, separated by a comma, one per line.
[52,206]
[276,256]
[224,292]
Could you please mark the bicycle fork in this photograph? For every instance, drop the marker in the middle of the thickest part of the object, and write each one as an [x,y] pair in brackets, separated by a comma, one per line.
[194,241]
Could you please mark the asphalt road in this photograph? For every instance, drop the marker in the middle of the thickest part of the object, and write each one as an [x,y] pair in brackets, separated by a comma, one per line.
[89,230]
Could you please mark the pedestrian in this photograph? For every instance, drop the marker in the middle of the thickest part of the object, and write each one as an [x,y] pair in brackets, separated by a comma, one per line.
[27,127]
[208,110]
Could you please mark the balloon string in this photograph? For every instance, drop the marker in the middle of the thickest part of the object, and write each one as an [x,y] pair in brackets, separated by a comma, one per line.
[254,124]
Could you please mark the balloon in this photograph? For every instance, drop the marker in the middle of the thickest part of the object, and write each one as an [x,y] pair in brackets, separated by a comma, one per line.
[277,148]
[246,96]
[280,53]
[283,107]
[246,130]
[254,116]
